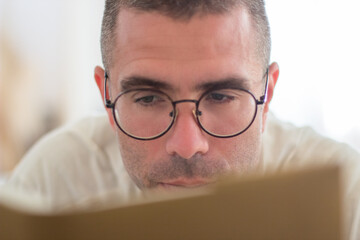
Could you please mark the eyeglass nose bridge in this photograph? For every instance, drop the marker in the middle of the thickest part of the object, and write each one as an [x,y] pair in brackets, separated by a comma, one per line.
[195,111]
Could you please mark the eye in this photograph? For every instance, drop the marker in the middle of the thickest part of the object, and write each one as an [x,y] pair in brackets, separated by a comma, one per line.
[149,100]
[219,97]
[146,99]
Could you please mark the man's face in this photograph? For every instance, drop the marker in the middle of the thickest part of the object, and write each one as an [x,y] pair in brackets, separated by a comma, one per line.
[186,54]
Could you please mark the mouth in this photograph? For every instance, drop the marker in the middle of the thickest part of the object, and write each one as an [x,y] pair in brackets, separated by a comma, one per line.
[185,183]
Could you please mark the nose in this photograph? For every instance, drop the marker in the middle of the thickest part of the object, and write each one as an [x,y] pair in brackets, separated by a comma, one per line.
[186,137]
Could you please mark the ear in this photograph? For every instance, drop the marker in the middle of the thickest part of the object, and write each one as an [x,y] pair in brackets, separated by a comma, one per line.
[99,75]
[273,77]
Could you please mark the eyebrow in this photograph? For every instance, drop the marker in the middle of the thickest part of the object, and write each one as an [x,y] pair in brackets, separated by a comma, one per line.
[225,83]
[138,81]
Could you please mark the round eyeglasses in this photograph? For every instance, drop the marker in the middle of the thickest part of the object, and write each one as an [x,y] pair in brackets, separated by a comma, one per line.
[146,113]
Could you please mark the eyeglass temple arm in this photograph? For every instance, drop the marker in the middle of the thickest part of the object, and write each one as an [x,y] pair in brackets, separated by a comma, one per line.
[263,98]
[108,103]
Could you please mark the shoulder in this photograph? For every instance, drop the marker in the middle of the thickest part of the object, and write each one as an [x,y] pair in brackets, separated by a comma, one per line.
[80,139]
[285,144]
[73,162]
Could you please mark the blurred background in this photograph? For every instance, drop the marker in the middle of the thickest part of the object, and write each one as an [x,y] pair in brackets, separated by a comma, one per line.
[48,51]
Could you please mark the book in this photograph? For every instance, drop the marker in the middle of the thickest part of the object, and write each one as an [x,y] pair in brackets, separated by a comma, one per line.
[296,204]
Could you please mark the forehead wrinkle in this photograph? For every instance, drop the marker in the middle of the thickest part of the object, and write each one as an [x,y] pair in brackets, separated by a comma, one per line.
[180,54]
[166,28]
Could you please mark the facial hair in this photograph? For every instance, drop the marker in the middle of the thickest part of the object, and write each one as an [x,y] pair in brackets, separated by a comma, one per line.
[243,156]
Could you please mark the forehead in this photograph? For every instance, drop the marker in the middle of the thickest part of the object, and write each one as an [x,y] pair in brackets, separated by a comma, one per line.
[184,51]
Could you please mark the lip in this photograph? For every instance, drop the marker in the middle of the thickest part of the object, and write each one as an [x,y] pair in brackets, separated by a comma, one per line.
[190,183]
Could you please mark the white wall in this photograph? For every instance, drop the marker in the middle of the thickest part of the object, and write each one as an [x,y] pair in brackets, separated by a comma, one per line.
[48,51]
[316,43]
[60,40]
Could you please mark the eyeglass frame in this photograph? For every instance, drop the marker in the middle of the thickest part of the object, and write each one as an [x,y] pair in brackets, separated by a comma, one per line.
[108,104]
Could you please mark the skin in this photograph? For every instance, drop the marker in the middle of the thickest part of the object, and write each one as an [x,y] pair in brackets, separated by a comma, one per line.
[184,54]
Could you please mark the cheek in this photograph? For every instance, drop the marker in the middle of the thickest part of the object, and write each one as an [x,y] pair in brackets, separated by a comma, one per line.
[242,152]
[133,155]
[138,156]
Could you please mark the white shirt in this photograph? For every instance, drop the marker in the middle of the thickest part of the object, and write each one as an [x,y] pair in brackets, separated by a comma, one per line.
[82,160]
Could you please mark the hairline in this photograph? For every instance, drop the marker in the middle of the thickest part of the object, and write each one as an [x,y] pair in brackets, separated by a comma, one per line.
[261,53]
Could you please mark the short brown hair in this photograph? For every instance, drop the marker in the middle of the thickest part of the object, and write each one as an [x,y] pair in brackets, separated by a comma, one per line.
[185,10]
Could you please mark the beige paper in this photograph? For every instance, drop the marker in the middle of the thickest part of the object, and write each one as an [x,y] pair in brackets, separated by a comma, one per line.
[304,204]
